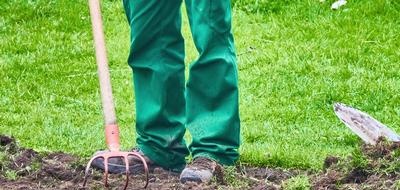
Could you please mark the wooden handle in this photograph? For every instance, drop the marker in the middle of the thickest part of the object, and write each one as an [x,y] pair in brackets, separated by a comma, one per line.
[102,64]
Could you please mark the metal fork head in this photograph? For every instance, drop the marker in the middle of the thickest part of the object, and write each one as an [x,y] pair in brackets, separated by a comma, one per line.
[117,154]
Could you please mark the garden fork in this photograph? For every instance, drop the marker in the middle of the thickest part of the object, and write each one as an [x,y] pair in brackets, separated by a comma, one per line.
[111,127]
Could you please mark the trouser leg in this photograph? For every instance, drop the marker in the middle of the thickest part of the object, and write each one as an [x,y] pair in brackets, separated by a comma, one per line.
[157,59]
[212,88]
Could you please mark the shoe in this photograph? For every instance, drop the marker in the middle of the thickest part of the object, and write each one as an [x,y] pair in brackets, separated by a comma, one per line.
[117,165]
[201,170]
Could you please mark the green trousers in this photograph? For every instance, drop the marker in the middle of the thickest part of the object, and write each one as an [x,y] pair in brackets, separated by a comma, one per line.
[207,104]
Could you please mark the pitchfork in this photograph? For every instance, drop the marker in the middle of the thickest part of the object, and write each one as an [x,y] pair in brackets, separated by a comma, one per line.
[111,127]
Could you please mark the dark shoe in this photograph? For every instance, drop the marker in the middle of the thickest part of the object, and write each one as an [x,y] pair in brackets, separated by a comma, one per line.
[201,170]
[117,165]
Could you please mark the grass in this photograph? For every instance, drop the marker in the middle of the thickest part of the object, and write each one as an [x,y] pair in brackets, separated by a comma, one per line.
[296,58]
[300,60]
[297,183]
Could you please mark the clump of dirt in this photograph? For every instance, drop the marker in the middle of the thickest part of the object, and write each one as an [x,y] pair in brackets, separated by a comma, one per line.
[330,160]
[383,149]
[23,168]
[5,140]
[262,178]
[370,167]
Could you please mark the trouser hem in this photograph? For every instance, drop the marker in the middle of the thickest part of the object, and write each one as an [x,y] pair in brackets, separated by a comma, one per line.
[165,159]
[222,161]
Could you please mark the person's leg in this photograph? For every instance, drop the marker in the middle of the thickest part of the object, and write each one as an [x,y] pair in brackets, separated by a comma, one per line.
[212,88]
[157,59]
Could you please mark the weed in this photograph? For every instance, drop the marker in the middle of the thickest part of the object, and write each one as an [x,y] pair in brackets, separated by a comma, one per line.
[35,166]
[297,183]
[396,153]
[234,179]
[4,160]
[11,175]
[359,160]
[396,185]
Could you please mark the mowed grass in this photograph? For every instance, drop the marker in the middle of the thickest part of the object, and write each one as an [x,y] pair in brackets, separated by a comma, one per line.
[296,58]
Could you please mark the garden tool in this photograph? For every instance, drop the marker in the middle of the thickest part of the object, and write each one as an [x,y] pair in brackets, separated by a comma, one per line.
[365,126]
[111,127]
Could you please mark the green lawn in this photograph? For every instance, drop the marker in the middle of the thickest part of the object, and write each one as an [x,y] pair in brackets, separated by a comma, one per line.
[296,58]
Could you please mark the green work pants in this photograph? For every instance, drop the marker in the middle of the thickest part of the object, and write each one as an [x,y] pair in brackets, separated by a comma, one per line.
[207,104]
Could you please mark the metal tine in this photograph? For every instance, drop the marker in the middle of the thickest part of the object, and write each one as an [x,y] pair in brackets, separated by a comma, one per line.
[145,167]
[88,168]
[106,171]
[127,171]
[125,157]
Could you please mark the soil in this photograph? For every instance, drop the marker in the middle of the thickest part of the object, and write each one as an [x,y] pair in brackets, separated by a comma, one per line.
[371,167]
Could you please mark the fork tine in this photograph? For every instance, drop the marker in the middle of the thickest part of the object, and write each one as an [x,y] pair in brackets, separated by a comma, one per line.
[87,169]
[127,171]
[145,167]
[106,171]
[117,154]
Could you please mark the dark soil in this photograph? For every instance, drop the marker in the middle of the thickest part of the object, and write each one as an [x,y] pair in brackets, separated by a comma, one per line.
[372,167]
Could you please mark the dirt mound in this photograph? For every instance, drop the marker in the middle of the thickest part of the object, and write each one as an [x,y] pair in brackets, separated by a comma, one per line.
[22,168]
[371,167]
